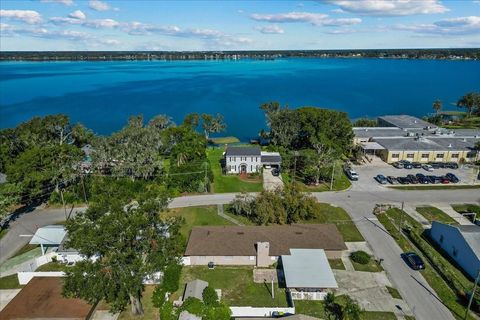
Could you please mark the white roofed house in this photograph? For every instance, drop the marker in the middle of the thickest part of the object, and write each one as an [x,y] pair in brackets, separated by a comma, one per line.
[242,160]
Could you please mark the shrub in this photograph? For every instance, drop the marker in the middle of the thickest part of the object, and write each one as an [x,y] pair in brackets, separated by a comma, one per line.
[158,297]
[221,312]
[210,297]
[360,257]
[193,305]
[166,311]
[171,277]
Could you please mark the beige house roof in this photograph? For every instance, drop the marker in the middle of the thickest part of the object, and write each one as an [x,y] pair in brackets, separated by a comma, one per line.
[242,240]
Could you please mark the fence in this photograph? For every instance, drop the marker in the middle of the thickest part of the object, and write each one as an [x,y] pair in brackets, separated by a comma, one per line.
[25,277]
[260,312]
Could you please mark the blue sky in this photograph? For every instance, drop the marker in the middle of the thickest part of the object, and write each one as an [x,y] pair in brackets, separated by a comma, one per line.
[237,25]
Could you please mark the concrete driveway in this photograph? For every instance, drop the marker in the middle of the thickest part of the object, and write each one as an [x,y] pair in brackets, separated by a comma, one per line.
[270,182]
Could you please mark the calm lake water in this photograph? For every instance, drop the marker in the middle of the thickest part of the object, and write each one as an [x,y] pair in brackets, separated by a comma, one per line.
[102,95]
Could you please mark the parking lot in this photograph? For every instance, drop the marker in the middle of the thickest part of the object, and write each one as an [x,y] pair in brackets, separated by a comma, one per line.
[368,172]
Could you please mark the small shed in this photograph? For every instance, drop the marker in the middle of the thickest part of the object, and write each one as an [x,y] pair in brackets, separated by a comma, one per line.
[195,289]
[51,235]
[185,315]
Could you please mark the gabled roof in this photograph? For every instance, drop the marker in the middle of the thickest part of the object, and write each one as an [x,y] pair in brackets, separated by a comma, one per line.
[308,268]
[470,233]
[242,240]
[243,151]
[49,235]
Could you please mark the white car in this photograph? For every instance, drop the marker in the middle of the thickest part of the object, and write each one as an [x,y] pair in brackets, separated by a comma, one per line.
[427,167]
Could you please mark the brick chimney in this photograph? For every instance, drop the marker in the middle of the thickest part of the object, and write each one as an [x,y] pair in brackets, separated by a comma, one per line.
[263,254]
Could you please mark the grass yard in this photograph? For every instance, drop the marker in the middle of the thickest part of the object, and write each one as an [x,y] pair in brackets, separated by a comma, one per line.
[242,219]
[52,266]
[10,282]
[197,216]
[340,182]
[26,248]
[336,264]
[463,208]
[150,311]
[236,283]
[339,217]
[435,214]
[436,187]
[224,140]
[371,266]
[317,309]
[444,292]
[228,183]
[394,293]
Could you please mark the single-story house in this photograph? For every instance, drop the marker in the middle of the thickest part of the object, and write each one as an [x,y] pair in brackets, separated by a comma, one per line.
[259,245]
[42,298]
[249,159]
[461,243]
[49,236]
[307,273]
[195,289]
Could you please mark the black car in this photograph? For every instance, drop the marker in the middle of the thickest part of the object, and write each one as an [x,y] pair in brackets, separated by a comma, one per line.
[433,179]
[451,165]
[403,180]
[416,165]
[407,165]
[392,180]
[412,179]
[381,179]
[436,165]
[453,178]
[422,178]
[413,260]
[275,172]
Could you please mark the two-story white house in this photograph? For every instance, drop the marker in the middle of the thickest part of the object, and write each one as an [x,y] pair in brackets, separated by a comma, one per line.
[240,160]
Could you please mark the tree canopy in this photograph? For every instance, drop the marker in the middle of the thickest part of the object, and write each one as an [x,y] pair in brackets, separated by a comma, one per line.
[470,102]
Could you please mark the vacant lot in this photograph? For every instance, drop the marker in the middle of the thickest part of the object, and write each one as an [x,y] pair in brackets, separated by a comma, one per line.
[236,283]
[435,214]
[197,216]
[229,183]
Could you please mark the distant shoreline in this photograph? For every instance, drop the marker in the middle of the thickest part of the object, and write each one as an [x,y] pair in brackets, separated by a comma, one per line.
[407,54]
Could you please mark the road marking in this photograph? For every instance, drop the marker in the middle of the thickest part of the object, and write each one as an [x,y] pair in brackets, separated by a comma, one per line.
[26,235]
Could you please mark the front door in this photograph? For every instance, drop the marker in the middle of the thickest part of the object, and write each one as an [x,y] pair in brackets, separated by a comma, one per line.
[243,168]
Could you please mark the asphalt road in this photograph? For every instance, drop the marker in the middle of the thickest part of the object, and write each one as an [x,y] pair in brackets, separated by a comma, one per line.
[358,202]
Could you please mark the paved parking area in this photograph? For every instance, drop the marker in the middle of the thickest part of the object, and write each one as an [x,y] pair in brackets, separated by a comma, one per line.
[6,295]
[367,172]
[270,182]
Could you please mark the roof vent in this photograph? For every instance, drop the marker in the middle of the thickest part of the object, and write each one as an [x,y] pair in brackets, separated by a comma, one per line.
[464,139]
[298,232]
[449,145]
[240,232]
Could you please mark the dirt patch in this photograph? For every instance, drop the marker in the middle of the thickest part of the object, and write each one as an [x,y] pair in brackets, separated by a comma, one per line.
[265,275]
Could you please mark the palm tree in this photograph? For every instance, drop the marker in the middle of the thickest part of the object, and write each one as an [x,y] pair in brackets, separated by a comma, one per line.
[352,310]
[437,105]
[470,101]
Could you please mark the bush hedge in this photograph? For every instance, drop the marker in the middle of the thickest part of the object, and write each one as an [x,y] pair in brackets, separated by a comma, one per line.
[360,257]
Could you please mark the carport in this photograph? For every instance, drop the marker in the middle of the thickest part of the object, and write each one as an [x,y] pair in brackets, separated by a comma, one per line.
[371,147]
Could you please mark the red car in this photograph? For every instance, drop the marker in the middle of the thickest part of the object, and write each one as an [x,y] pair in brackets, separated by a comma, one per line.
[444,180]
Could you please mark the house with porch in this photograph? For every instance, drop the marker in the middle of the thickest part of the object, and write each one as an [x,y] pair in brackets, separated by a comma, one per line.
[242,160]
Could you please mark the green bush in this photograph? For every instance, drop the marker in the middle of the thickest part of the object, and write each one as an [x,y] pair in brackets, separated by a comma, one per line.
[158,297]
[166,311]
[221,312]
[171,277]
[360,257]
[210,297]
[193,305]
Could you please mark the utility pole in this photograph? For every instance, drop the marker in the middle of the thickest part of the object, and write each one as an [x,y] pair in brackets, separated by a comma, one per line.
[333,174]
[206,177]
[84,193]
[472,295]
[273,292]
[294,166]
[401,218]
[63,202]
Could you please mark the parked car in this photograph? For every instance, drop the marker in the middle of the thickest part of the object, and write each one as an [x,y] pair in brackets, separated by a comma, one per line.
[351,174]
[413,260]
[427,167]
[451,165]
[422,178]
[392,180]
[453,178]
[444,180]
[403,180]
[381,179]
[433,179]
[412,179]
[436,165]
[416,165]
[398,165]
[407,165]
[275,172]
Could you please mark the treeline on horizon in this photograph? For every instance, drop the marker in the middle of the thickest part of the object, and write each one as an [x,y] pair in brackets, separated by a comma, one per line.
[440,53]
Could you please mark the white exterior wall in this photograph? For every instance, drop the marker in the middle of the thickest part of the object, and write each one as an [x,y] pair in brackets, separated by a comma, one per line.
[234,163]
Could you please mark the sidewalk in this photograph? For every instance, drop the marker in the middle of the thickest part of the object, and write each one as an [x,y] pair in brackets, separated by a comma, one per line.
[453,214]
[223,215]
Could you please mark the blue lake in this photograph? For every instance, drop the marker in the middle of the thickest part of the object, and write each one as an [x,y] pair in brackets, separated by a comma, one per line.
[102,95]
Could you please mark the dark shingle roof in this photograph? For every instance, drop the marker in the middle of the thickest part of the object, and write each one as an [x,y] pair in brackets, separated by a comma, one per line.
[243,151]
[271,159]
[242,240]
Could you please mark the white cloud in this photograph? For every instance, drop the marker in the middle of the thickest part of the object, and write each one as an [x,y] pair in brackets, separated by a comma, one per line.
[341,31]
[64,2]
[447,27]
[101,23]
[27,16]
[78,15]
[390,7]
[272,29]
[98,5]
[317,19]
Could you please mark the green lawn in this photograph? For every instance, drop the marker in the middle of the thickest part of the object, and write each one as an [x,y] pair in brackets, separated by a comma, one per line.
[150,311]
[236,283]
[229,183]
[52,266]
[26,248]
[10,282]
[339,217]
[3,232]
[435,214]
[371,266]
[336,264]
[340,182]
[197,216]
[436,187]
[463,208]
[442,289]
[224,140]
[394,293]
[242,219]
[317,309]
